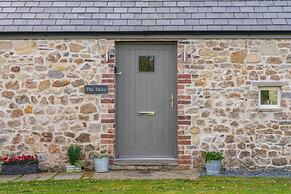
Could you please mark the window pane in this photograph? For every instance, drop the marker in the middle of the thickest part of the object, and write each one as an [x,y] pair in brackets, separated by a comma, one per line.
[269,97]
[146,64]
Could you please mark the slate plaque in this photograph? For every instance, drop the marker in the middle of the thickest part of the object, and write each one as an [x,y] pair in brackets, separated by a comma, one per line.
[285,122]
[96,89]
[286,95]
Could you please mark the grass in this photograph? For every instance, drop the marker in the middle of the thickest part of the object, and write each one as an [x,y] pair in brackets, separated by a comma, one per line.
[204,185]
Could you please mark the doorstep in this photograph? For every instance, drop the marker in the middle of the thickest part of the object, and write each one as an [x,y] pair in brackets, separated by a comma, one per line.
[146,161]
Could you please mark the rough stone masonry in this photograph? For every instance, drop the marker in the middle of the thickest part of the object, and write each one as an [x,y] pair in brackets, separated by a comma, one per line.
[43,108]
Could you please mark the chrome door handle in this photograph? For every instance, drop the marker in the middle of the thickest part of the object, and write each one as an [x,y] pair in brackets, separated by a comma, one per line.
[146,113]
[115,71]
[172,99]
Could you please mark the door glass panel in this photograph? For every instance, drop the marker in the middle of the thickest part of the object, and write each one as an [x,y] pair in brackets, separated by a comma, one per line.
[146,64]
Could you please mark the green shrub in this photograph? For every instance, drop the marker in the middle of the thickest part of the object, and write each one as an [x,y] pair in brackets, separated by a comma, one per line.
[100,156]
[74,154]
[212,156]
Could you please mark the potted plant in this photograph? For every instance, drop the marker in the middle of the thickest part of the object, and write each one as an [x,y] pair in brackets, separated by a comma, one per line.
[213,162]
[74,156]
[17,165]
[101,162]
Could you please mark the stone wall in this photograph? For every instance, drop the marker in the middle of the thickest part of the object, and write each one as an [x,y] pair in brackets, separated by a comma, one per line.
[43,108]
[218,104]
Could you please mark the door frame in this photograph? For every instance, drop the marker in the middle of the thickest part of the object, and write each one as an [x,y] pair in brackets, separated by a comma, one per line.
[175,151]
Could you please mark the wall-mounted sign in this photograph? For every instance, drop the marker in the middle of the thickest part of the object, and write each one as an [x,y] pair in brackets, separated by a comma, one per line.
[96,89]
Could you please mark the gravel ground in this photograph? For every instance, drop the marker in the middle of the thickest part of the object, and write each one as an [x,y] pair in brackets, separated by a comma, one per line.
[258,173]
[255,173]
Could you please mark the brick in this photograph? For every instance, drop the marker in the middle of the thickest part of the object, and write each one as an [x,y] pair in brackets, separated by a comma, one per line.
[108,81]
[107,141]
[184,117]
[184,81]
[106,101]
[183,97]
[108,76]
[186,76]
[184,102]
[185,157]
[111,110]
[183,138]
[184,122]
[184,142]
[107,136]
[107,120]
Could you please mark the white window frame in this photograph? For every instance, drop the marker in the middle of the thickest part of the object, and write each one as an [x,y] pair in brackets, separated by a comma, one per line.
[265,107]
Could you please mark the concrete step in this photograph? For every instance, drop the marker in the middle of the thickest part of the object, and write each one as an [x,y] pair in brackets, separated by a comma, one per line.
[144,164]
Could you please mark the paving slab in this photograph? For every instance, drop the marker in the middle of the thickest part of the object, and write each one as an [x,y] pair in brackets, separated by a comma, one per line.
[68,175]
[28,177]
[40,176]
[46,176]
[122,175]
[187,174]
[6,178]
[173,174]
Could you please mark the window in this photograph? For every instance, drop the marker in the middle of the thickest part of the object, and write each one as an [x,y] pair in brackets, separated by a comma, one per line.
[146,64]
[270,98]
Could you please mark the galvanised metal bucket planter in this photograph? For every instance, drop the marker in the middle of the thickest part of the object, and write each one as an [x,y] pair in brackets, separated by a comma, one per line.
[101,164]
[19,169]
[213,167]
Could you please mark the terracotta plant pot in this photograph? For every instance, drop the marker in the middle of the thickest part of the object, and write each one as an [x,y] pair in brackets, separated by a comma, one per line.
[19,169]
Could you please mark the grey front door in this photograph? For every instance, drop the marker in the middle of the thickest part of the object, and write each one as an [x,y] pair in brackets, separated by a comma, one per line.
[146,100]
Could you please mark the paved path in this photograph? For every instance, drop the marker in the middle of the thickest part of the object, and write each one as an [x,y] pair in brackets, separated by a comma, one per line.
[122,175]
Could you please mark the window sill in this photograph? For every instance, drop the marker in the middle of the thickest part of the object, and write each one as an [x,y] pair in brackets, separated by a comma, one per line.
[269,109]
